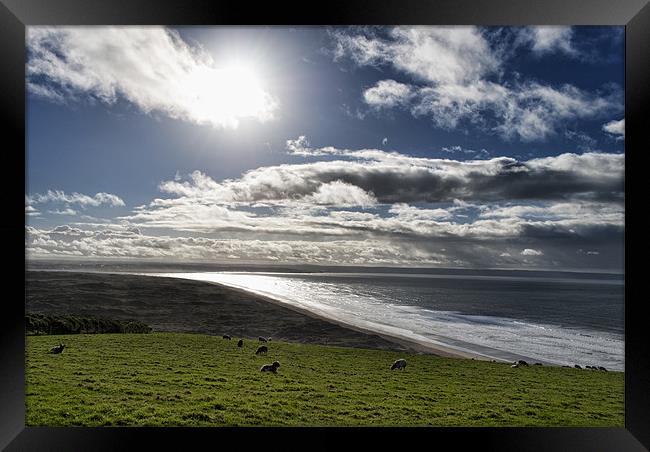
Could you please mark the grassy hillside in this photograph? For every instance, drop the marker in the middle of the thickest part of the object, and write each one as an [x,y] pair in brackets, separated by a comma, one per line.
[168,379]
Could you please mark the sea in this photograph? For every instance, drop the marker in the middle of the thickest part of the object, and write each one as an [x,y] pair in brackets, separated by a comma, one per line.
[558,318]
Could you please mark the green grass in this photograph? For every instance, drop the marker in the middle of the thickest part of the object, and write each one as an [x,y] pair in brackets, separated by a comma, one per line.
[167,379]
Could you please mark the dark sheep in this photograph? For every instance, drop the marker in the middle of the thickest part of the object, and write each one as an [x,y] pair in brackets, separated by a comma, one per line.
[602,368]
[270,367]
[261,349]
[240,343]
[58,349]
[521,362]
[225,336]
[577,366]
[262,339]
[399,364]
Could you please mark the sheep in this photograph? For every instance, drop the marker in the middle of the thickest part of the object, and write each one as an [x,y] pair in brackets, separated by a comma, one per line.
[602,368]
[225,336]
[577,366]
[399,364]
[515,365]
[270,367]
[240,343]
[58,349]
[521,362]
[262,349]
[262,339]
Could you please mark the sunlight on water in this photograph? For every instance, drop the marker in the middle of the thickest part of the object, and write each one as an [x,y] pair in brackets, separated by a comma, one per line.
[493,337]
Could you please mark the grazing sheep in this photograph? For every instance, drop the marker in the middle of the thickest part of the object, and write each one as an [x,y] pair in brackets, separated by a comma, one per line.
[521,362]
[602,368]
[262,339]
[399,364]
[58,349]
[515,365]
[270,367]
[240,343]
[261,349]
[577,366]
[225,336]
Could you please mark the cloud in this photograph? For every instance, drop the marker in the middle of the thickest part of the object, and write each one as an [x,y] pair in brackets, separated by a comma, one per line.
[67,211]
[550,39]
[30,210]
[446,55]
[370,207]
[387,94]
[75,198]
[338,193]
[368,176]
[122,243]
[457,78]
[556,203]
[407,237]
[151,67]
[616,128]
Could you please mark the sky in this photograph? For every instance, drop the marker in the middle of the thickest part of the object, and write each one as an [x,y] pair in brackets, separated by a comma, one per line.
[489,147]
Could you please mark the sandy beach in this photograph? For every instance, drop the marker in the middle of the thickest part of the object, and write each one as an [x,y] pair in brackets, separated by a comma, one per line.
[404,343]
[178,305]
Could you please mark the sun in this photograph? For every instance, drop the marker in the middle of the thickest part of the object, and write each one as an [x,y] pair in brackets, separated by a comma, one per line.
[230,93]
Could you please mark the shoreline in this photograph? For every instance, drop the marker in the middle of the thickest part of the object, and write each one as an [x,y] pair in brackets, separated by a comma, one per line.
[400,342]
[243,317]
[410,344]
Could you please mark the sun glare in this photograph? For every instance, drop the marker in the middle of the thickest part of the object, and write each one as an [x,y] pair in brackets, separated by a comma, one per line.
[230,93]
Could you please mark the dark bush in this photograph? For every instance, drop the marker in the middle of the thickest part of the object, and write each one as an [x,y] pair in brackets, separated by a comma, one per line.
[68,324]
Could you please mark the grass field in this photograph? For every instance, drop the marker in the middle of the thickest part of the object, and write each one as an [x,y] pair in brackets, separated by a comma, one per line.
[170,379]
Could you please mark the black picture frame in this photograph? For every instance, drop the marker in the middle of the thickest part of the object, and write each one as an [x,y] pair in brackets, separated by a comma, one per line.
[15,15]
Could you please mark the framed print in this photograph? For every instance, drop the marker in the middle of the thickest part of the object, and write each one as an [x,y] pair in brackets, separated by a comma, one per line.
[308,221]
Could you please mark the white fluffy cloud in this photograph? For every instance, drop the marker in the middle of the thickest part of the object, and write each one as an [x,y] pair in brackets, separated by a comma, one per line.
[151,67]
[455,74]
[387,94]
[67,211]
[370,176]
[339,193]
[531,252]
[373,194]
[58,196]
[616,128]
[546,39]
